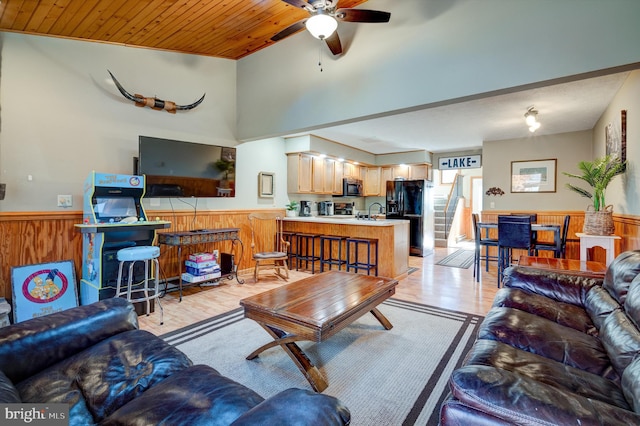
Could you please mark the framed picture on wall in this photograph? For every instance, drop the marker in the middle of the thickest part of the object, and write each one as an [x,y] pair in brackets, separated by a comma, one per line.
[533,176]
[266,185]
[616,137]
[43,289]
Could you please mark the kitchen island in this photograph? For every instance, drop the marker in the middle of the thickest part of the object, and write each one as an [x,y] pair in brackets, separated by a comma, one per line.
[392,235]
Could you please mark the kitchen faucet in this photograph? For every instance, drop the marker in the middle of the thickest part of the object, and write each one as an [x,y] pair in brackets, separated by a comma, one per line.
[379,211]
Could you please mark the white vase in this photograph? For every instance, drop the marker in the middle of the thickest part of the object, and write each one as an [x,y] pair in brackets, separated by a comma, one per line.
[291,213]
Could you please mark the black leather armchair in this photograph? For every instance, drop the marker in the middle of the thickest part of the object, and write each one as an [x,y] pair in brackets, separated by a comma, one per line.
[95,359]
[555,349]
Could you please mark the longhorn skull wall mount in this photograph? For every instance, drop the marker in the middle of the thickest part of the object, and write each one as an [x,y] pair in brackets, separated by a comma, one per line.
[154,103]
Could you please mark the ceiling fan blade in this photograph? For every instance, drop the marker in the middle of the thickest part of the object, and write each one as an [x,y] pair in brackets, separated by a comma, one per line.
[299,3]
[333,42]
[362,15]
[291,29]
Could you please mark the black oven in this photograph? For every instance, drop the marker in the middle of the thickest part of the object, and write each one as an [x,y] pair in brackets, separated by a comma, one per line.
[351,187]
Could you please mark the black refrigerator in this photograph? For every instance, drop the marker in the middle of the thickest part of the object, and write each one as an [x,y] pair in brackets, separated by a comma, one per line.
[412,200]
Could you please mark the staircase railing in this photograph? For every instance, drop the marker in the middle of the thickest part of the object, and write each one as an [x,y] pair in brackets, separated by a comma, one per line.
[452,201]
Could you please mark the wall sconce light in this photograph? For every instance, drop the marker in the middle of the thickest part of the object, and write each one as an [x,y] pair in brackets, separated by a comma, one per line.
[531,118]
[495,191]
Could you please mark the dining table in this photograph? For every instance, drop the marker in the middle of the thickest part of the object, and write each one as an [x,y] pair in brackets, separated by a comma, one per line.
[535,227]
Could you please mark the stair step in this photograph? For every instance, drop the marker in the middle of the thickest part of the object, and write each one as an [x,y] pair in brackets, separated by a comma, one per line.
[440,242]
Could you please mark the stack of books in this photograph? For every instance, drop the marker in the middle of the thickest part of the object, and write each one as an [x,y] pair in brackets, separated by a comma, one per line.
[201,267]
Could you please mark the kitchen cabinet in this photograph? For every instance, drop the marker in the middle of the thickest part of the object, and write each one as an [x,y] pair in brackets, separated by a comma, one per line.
[372,186]
[353,171]
[338,175]
[310,174]
[317,175]
[329,180]
[421,171]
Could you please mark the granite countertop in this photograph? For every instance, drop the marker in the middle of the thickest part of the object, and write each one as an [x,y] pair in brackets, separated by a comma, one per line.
[346,220]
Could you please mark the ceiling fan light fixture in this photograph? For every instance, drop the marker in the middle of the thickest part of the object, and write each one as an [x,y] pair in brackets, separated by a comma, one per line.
[321,26]
[531,118]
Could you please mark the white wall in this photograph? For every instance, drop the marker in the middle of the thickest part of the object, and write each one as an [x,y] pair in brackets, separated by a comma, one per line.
[567,148]
[62,117]
[431,51]
[623,191]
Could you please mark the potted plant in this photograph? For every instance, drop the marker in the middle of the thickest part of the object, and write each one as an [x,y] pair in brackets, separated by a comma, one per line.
[226,167]
[598,174]
[291,207]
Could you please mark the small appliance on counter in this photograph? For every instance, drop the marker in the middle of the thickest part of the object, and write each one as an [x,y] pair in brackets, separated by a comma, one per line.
[325,208]
[305,208]
[345,209]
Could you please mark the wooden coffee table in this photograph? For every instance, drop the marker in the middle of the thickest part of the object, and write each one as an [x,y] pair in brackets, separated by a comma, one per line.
[315,309]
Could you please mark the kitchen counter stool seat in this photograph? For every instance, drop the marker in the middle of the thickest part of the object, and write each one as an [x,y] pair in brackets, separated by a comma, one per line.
[354,245]
[149,288]
[306,251]
[327,251]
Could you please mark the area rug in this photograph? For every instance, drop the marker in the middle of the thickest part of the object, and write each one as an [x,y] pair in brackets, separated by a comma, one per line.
[458,259]
[384,377]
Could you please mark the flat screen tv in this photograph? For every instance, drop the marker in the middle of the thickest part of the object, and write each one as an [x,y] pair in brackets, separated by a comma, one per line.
[185,169]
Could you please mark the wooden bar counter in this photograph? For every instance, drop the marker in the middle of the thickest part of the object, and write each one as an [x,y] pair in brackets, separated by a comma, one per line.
[392,235]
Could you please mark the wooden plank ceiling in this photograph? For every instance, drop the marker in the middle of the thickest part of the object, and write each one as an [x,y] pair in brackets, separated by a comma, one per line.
[228,29]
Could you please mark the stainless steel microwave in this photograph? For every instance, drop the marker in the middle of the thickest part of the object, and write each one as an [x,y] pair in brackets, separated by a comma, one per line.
[351,187]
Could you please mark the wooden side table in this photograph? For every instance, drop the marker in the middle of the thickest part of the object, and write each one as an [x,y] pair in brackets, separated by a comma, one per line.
[607,242]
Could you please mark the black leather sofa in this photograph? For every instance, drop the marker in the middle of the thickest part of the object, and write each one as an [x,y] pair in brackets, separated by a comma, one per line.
[95,359]
[555,349]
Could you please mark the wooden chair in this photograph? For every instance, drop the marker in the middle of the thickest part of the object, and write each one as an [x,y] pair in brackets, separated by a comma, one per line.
[268,248]
[559,249]
[514,232]
[481,242]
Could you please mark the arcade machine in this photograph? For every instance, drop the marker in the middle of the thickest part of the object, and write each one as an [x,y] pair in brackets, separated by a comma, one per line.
[113,218]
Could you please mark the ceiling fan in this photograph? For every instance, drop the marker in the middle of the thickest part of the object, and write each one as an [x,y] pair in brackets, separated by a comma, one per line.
[324,20]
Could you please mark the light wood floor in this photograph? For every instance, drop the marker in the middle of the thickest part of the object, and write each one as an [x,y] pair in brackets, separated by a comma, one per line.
[431,284]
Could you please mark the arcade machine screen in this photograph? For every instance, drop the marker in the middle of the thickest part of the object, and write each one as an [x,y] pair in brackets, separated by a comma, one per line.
[114,208]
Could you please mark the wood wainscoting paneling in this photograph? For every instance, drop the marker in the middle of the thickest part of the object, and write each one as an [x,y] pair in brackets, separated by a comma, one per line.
[28,238]
[626,226]
[37,237]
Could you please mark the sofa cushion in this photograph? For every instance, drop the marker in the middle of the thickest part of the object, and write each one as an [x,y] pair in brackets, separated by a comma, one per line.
[621,340]
[599,305]
[297,407]
[537,335]
[8,393]
[521,400]
[104,377]
[496,354]
[632,304]
[620,273]
[60,335]
[196,396]
[559,312]
[567,288]
[631,384]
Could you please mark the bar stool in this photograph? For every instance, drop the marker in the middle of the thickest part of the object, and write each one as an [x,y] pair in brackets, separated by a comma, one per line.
[290,237]
[150,292]
[306,250]
[353,245]
[330,260]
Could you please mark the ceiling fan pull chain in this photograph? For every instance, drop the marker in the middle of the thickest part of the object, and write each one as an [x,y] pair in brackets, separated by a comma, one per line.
[320,57]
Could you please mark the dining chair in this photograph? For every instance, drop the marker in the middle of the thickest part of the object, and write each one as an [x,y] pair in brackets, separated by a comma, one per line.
[514,232]
[268,247]
[559,248]
[481,242]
